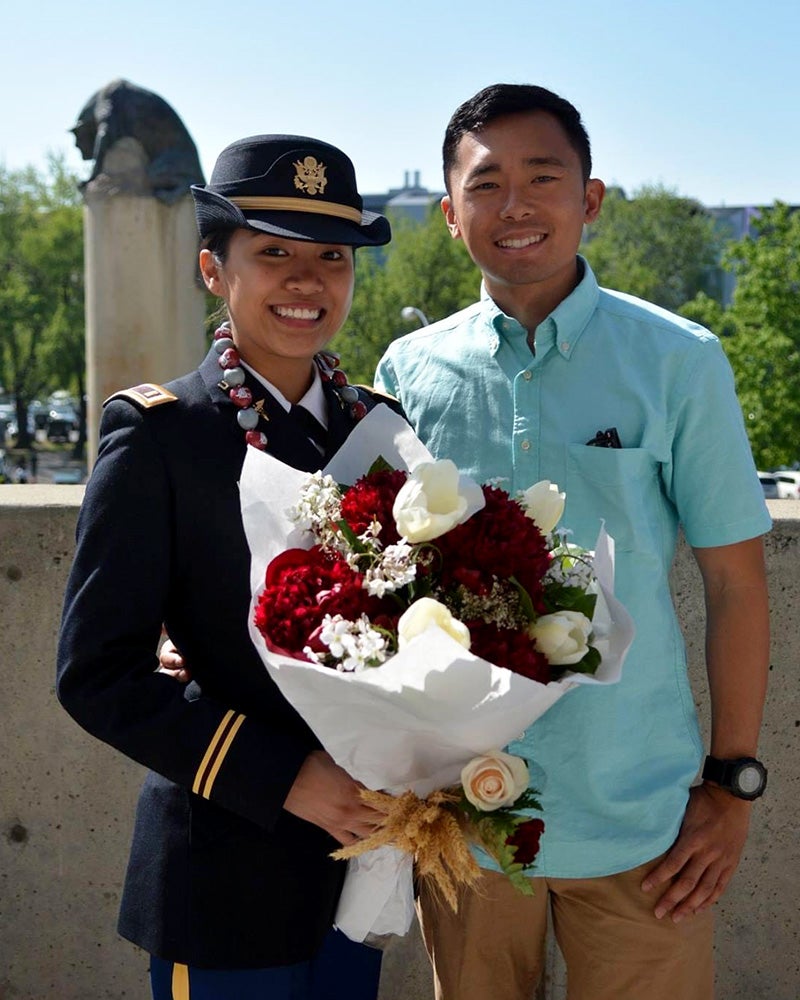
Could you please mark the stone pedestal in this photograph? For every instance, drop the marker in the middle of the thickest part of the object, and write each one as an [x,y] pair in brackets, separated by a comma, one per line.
[144,303]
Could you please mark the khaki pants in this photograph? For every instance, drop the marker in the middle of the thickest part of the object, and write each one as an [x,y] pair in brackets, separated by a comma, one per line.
[613,946]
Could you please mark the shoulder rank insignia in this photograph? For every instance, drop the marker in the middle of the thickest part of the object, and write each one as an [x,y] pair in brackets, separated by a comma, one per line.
[147,394]
[377,393]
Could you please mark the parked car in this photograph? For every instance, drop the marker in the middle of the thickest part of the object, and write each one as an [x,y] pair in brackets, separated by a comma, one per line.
[37,415]
[61,422]
[769,485]
[788,481]
[8,421]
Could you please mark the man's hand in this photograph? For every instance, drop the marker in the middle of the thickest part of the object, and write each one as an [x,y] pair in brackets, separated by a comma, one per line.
[325,794]
[171,662]
[703,859]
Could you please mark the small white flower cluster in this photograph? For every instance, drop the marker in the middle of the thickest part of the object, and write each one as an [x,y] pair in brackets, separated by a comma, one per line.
[319,504]
[497,482]
[354,644]
[370,535]
[571,566]
[393,570]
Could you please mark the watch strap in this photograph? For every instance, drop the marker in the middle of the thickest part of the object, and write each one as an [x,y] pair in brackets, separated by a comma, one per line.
[717,770]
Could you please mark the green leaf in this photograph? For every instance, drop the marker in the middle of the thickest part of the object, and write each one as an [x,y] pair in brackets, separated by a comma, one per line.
[351,537]
[589,664]
[524,599]
[380,465]
[559,597]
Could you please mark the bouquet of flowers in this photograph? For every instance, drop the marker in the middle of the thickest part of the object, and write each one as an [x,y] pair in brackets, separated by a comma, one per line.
[440,618]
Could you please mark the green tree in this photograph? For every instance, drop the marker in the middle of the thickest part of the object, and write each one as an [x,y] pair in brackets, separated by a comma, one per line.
[422,267]
[764,348]
[657,245]
[41,285]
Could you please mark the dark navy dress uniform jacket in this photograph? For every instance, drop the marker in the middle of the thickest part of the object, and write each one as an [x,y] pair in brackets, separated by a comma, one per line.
[220,876]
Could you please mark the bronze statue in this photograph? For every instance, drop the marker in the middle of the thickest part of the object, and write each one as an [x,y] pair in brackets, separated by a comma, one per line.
[159,158]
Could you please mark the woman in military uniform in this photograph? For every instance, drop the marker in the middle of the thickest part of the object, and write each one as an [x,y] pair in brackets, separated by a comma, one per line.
[230,886]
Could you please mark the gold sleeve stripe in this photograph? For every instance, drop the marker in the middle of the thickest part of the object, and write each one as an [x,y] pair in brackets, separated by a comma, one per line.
[180,982]
[215,754]
[277,204]
[212,776]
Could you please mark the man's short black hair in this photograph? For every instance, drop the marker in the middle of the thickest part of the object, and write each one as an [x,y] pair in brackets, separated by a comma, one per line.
[502,99]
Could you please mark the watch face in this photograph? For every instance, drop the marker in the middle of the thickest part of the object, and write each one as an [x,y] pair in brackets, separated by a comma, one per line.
[749,779]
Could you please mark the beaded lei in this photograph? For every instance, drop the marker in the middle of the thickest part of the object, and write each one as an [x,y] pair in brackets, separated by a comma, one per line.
[233,377]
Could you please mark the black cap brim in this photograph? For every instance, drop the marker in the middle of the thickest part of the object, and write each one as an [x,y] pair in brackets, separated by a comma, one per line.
[214,212]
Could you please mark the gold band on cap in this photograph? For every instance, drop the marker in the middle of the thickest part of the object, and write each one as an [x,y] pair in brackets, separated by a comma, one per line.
[298,205]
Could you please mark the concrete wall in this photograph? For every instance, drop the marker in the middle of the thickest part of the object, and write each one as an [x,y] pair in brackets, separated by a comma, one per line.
[66,801]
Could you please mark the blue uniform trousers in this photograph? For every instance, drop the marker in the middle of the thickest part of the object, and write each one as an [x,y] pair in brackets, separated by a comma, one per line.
[341,970]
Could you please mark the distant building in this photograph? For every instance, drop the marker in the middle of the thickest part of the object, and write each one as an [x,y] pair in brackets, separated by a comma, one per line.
[411,201]
[732,223]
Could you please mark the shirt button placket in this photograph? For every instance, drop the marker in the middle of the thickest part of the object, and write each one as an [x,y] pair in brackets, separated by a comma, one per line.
[526,423]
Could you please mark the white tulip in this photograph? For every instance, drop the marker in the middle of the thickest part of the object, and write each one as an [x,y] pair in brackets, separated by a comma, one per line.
[544,505]
[434,499]
[424,614]
[493,780]
[563,637]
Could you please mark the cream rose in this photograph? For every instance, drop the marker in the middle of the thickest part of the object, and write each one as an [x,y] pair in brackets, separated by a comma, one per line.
[494,780]
[425,613]
[434,499]
[563,637]
[544,505]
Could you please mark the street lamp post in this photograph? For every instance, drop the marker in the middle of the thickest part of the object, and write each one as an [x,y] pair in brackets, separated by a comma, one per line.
[411,312]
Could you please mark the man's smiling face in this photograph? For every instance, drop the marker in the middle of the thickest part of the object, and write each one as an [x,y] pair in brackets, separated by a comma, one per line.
[519,202]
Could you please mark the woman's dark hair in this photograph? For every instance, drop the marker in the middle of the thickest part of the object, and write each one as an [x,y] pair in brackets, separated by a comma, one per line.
[508,99]
[218,243]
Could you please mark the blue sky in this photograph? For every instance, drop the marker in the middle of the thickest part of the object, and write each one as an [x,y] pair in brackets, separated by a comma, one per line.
[699,95]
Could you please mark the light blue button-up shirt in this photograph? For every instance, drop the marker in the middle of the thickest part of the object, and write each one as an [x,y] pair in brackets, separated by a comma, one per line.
[614,763]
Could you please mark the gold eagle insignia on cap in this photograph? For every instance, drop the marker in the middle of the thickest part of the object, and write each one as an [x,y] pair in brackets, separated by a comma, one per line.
[310,176]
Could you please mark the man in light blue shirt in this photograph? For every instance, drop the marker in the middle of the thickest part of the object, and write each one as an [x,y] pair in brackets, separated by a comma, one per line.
[516,386]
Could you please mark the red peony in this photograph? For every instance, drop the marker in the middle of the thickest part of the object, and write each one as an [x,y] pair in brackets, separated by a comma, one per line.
[509,648]
[302,586]
[499,541]
[525,839]
[370,499]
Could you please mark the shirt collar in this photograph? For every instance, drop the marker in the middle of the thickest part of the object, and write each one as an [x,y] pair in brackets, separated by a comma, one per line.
[313,400]
[562,328]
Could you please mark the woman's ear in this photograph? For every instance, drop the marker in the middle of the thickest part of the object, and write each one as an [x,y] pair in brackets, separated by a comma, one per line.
[210,270]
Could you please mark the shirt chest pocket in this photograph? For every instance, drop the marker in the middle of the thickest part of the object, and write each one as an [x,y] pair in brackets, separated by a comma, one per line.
[619,486]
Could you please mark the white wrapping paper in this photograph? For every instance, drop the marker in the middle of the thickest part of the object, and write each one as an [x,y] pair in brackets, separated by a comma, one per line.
[413,722]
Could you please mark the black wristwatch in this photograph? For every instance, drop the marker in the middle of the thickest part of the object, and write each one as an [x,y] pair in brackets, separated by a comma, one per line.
[744,777]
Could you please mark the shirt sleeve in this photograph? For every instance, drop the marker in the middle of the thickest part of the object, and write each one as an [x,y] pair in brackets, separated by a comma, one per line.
[386,379]
[711,477]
